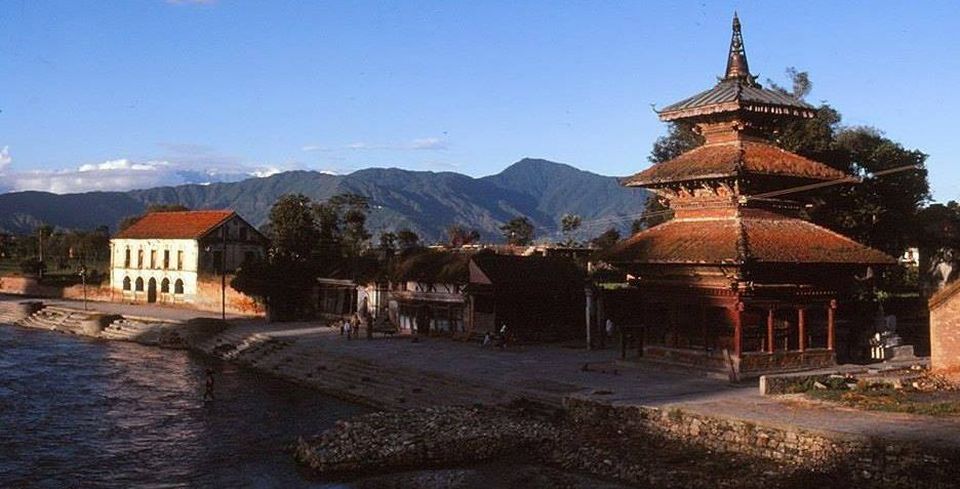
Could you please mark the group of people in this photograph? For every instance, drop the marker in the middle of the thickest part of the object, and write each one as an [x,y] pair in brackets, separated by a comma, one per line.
[350,327]
[499,340]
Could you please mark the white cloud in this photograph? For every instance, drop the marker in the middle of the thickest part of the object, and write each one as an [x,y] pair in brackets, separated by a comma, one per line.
[5,158]
[122,164]
[429,144]
[125,174]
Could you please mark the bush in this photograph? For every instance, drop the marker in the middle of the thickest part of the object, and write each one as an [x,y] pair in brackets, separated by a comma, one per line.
[32,266]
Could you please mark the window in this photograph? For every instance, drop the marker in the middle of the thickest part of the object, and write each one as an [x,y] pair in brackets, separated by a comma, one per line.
[166,259]
[139,258]
[153,259]
[126,280]
[180,260]
[249,256]
[139,285]
[178,287]
[126,259]
[165,286]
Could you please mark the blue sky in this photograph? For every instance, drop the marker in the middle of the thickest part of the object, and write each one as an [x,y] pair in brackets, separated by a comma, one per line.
[123,94]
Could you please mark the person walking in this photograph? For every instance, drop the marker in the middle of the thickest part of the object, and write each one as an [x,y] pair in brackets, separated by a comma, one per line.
[348,329]
[608,333]
[208,388]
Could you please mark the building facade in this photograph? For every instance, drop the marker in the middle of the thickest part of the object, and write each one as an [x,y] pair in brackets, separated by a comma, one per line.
[163,256]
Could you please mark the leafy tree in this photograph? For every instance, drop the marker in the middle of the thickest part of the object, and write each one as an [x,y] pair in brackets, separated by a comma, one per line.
[285,279]
[607,239]
[569,224]
[518,231]
[352,211]
[459,236]
[328,222]
[293,230]
[388,241]
[407,239]
[282,282]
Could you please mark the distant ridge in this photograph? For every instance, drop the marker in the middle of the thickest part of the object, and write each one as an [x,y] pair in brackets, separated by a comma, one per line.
[426,202]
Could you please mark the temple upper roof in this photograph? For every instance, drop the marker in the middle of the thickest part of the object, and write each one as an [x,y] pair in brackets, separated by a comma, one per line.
[737,91]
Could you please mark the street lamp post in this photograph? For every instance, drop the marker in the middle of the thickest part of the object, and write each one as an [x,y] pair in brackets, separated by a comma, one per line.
[83,280]
[223,272]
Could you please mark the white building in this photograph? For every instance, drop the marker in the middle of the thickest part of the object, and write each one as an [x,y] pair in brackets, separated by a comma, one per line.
[165,255]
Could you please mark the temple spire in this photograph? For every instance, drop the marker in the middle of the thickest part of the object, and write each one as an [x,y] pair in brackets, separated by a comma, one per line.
[737,67]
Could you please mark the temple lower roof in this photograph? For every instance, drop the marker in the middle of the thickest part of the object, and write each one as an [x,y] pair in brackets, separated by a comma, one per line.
[748,236]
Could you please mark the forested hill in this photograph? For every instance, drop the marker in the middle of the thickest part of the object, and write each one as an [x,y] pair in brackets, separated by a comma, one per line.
[426,202]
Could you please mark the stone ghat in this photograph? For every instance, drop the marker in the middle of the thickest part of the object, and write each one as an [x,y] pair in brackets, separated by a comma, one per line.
[416,439]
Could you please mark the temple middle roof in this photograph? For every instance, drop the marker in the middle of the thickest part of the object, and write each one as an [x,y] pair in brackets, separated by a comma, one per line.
[733,159]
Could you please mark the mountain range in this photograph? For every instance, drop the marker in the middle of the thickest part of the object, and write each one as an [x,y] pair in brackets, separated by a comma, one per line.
[425,202]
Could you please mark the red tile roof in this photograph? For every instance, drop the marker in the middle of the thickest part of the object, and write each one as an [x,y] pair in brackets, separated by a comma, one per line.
[175,225]
[753,235]
[730,159]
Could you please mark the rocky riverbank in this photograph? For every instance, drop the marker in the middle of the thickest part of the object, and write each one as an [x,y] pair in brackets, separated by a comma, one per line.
[448,438]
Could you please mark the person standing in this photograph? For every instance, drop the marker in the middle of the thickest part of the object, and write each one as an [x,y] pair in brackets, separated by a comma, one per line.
[608,332]
[208,388]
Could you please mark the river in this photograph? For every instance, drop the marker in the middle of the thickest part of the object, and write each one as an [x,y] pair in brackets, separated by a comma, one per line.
[77,412]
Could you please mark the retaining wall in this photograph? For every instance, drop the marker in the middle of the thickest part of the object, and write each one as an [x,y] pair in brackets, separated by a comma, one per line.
[875,462]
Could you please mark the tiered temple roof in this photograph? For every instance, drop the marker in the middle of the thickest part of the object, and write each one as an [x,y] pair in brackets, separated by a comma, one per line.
[744,236]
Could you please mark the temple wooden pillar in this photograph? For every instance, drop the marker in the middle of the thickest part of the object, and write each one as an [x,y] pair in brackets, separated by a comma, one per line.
[831,334]
[801,329]
[770,340]
[738,329]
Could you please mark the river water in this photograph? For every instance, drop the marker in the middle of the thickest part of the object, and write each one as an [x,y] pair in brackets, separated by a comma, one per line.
[76,412]
[81,413]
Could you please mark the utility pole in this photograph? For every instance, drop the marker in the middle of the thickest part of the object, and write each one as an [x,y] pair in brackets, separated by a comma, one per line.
[223,276]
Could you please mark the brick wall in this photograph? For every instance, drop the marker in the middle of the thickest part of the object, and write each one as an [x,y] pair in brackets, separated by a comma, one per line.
[945,330]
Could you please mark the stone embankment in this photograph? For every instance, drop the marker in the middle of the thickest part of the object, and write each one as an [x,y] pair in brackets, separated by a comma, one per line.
[34,314]
[416,439]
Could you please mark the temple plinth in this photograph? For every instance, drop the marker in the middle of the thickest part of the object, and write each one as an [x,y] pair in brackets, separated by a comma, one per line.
[737,281]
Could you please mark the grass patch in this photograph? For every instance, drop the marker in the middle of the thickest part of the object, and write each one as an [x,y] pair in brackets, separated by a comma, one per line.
[887,399]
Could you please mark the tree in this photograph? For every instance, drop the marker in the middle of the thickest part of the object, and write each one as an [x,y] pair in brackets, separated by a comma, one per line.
[407,239]
[352,211]
[607,239]
[285,279]
[518,231]
[293,230]
[569,224]
[459,236]
[388,241]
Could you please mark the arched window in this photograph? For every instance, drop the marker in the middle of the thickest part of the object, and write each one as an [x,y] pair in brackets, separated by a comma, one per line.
[165,286]
[178,287]
[139,285]
[126,258]
[126,283]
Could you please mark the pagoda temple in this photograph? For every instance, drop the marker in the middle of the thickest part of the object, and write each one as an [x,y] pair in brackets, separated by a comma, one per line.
[737,280]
